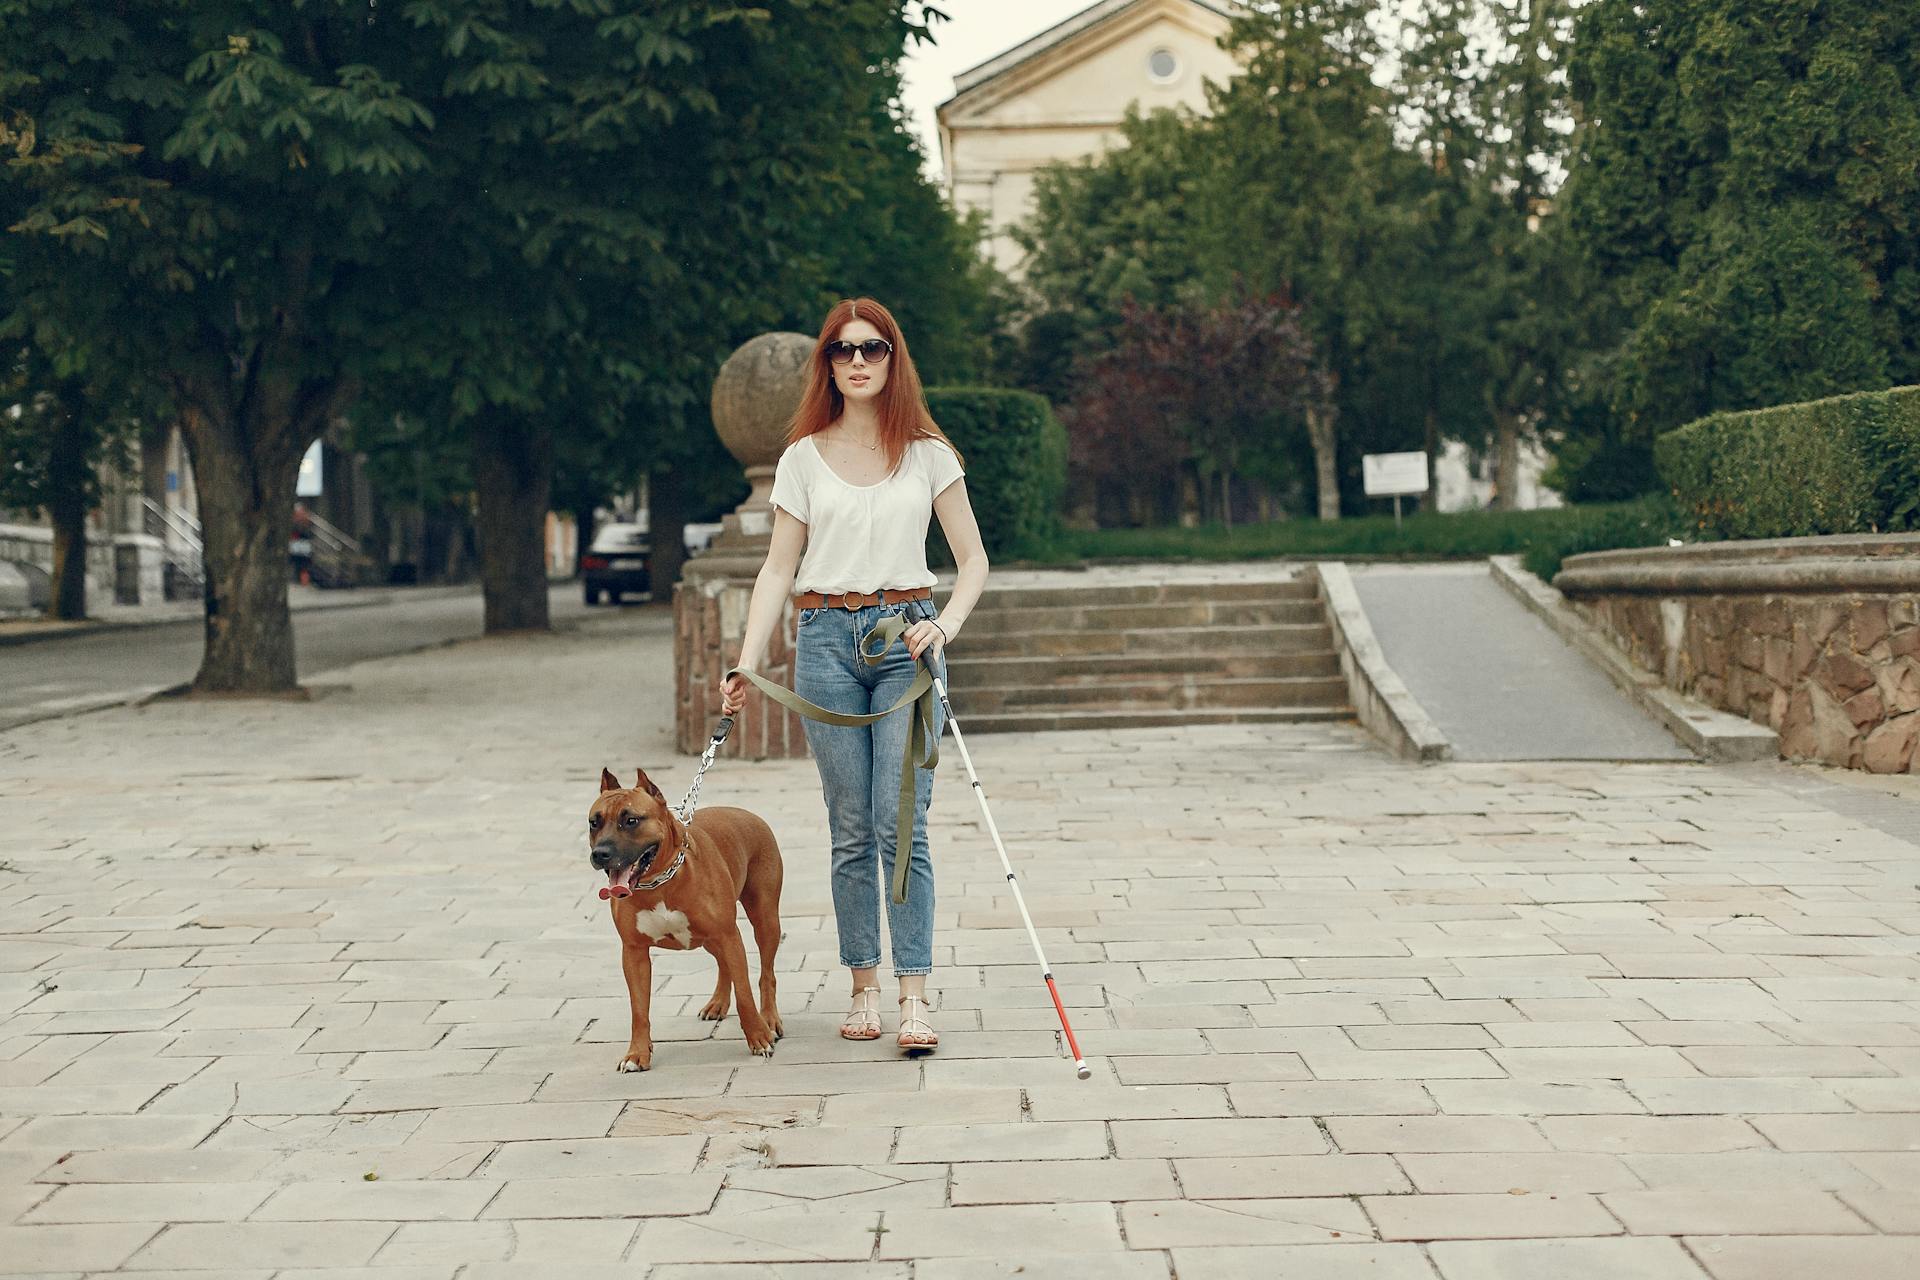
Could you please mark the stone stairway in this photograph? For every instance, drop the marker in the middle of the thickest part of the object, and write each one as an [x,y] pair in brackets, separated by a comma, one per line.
[1135,655]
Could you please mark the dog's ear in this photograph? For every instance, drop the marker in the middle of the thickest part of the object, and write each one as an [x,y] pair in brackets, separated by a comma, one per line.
[607,781]
[646,784]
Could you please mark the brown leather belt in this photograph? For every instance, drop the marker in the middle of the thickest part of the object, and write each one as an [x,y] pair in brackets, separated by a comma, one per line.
[859,599]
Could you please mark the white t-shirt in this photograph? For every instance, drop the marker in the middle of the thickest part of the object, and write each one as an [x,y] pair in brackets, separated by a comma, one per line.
[863,537]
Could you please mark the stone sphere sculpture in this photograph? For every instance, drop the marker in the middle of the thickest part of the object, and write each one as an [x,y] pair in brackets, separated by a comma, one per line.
[755,394]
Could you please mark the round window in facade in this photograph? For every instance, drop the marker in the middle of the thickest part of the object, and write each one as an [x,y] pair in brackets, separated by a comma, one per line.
[1162,66]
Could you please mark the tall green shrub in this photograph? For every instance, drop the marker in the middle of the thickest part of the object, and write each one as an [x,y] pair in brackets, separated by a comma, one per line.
[1016,456]
[1845,464]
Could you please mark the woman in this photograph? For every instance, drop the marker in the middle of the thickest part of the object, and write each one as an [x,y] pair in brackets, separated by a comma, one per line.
[864,468]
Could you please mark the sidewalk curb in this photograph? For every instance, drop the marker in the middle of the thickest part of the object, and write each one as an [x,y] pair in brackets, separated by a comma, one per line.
[94,626]
[1709,733]
[1381,701]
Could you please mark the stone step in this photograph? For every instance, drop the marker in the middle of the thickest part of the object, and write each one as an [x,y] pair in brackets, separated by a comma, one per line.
[1181,693]
[1298,588]
[1268,638]
[1143,718]
[971,669]
[1102,616]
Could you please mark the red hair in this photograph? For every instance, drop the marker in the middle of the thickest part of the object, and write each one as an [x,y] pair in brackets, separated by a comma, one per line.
[903,403]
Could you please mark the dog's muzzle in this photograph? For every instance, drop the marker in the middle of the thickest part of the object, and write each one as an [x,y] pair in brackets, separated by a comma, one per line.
[619,878]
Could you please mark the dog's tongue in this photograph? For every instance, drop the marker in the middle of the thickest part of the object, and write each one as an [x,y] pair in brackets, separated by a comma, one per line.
[618,883]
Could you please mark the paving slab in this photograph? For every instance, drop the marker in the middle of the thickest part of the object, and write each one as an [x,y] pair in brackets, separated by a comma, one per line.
[262,1017]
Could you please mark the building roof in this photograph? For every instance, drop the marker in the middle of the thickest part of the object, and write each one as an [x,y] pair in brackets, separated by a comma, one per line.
[1091,16]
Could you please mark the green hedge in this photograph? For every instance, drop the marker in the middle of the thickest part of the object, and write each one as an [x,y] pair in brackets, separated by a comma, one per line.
[1846,464]
[1543,538]
[1016,455]
[1643,522]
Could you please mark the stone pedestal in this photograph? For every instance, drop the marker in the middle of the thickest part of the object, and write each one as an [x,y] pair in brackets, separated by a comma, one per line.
[754,397]
[710,621]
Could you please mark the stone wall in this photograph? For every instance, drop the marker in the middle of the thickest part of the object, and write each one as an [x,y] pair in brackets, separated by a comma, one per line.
[1817,638]
[710,621]
[124,568]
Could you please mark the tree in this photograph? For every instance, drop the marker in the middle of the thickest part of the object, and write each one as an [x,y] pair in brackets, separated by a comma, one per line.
[1297,191]
[1109,231]
[1533,329]
[499,213]
[686,164]
[231,200]
[1216,382]
[58,429]
[1455,230]
[1745,197]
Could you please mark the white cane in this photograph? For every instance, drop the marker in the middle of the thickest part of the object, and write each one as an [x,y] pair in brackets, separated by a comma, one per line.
[1080,1066]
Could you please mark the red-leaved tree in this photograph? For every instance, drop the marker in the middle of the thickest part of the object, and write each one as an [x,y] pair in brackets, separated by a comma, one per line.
[1207,382]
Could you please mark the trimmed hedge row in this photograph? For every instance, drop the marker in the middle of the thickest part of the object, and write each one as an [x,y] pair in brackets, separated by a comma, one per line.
[1542,537]
[1016,457]
[1846,464]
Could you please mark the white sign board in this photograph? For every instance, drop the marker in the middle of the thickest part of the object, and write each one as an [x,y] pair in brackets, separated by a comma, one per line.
[307,483]
[1388,474]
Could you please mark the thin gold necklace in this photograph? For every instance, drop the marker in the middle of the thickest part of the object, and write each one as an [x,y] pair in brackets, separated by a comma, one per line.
[868,447]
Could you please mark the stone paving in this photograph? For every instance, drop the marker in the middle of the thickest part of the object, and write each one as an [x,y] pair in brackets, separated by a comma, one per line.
[323,989]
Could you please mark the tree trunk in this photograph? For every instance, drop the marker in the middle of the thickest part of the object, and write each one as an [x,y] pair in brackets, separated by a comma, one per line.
[1226,497]
[513,475]
[1326,460]
[666,531]
[245,481]
[67,504]
[1506,461]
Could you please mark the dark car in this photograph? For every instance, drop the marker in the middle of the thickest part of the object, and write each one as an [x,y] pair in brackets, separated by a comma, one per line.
[620,562]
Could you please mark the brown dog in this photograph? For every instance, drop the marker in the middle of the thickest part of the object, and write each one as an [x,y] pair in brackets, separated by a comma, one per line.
[674,885]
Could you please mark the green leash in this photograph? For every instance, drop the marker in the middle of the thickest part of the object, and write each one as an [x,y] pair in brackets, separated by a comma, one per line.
[923,745]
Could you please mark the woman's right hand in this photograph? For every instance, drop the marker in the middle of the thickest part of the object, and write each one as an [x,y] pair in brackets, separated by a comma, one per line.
[733,694]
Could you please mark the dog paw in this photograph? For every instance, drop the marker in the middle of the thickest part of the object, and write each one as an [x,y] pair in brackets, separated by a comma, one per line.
[762,1047]
[632,1063]
[713,1011]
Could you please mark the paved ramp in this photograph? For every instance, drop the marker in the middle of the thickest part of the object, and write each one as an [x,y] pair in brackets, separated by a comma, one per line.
[1497,680]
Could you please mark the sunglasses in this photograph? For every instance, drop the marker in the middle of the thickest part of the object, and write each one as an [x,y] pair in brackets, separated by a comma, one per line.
[873,350]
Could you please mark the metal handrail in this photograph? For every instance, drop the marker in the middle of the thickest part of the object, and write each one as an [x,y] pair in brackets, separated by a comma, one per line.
[330,534]
[179,523]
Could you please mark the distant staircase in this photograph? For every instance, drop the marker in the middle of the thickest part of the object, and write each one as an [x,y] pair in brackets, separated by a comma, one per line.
[1110,656]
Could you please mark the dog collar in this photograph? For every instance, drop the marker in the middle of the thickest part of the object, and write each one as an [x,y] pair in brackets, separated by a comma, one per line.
[679,860]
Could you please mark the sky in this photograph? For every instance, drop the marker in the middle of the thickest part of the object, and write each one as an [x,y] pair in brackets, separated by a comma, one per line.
[975,31]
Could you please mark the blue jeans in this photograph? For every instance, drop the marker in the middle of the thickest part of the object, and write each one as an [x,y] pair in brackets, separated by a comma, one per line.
[860,774]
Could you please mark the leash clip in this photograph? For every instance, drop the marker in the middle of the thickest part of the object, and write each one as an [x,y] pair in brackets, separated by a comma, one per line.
[684,810]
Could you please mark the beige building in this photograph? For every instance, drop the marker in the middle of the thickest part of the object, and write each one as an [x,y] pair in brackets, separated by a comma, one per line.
[1062,95]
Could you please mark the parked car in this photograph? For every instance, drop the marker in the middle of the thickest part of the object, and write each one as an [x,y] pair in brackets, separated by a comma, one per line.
[619,563]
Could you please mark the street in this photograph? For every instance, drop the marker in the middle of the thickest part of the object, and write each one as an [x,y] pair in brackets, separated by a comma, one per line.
[70,673]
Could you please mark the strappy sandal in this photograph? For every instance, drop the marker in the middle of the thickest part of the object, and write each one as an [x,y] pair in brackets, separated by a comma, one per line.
[863,1019]
[915,1031]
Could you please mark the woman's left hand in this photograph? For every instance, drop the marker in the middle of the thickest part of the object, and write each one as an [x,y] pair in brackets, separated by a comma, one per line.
[924,636]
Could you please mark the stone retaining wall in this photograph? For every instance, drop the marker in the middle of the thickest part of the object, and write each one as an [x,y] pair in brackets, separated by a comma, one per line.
[124,568]
[1380,699]
[1818,638]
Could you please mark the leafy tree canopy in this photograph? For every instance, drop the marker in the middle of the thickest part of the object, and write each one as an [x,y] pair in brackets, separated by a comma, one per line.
[1746,183]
